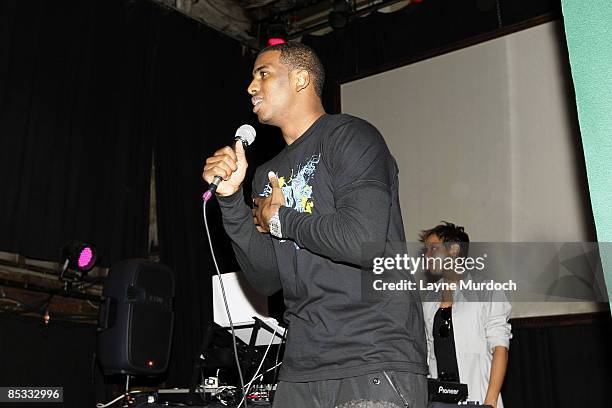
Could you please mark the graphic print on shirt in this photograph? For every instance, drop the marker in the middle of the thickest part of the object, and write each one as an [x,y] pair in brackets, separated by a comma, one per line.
[297,189]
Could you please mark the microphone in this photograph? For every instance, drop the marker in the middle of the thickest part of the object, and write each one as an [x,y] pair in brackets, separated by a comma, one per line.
[245,134]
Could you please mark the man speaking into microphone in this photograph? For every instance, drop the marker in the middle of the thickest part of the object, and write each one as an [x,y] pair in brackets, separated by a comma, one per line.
[332,188]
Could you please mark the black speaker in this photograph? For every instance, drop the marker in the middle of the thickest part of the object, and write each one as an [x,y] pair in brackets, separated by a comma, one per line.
[136,318]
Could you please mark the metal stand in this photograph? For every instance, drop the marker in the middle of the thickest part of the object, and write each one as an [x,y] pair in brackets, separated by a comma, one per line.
[257,325]
[248,355]
[126,398]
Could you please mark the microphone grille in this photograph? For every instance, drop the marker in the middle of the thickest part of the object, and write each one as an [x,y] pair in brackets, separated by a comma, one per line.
[246,133]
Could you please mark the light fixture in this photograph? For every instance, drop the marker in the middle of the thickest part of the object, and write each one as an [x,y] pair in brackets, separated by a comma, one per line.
[275,41]
[340,16]
[276,33]
[78,256]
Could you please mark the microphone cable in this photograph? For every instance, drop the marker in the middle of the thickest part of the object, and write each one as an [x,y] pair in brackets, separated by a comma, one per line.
[212,252]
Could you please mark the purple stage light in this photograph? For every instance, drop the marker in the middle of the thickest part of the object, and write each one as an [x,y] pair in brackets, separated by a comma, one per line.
[85,258]
[79,256]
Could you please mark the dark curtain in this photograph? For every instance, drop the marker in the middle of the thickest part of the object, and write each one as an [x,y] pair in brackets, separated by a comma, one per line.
[59,355]
[382,41]
[89,92]
[75,143]
[75,163]
[560,367]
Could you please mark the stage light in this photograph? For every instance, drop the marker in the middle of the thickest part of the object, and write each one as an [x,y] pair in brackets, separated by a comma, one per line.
[340,15]
[46,317]
[275,41]
[85,258]
[79,256]
[276,33]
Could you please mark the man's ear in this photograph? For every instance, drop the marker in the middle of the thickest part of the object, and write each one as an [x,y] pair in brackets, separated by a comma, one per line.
[302,80]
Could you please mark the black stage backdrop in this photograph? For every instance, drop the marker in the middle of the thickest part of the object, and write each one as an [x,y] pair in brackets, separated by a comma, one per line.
[75,148]
[90,91]
[559,362]
[60,355]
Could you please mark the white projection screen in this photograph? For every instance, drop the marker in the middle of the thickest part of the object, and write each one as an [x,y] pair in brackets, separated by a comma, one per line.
[486,137]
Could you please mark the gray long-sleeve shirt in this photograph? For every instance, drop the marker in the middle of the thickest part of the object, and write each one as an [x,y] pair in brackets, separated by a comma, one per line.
[341,189]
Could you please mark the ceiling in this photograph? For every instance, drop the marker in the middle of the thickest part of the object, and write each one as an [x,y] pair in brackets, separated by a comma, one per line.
[249,21]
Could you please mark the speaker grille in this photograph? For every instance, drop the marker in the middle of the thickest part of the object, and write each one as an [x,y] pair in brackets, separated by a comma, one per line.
[150,336]
[151,317]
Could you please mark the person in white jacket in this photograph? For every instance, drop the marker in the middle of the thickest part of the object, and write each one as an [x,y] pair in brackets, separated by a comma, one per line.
[477,322]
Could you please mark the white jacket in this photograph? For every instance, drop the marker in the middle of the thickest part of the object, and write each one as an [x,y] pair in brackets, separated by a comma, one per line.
[479,325]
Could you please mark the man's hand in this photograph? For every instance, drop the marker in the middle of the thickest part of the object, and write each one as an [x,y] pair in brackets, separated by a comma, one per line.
[266,207]
[256,221]
[228,164]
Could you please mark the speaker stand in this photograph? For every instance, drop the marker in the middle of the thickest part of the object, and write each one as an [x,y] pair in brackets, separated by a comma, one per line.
[126,399]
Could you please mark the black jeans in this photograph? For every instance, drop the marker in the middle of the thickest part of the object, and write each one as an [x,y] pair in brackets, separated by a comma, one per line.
[406,390]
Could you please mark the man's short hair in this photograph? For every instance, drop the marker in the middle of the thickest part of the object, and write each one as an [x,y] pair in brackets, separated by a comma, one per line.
[296,55]
[368,404]
[449,233]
